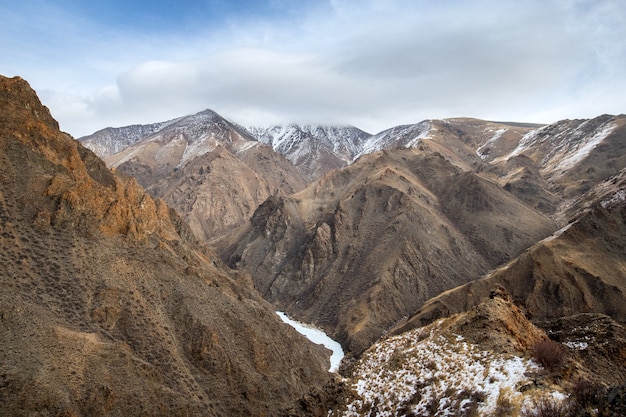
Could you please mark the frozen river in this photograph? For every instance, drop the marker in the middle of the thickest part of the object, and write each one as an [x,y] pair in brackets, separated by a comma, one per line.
[318,336]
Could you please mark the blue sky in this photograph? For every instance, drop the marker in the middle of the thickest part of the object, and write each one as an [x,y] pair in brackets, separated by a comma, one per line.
[369,63]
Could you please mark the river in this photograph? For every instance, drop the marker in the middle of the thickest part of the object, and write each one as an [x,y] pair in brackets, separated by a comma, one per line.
[317,336]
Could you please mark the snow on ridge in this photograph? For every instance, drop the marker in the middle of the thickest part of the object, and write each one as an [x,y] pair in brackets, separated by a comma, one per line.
[585,146]
[297,141]
[496,136]
[405,135]
[564,144]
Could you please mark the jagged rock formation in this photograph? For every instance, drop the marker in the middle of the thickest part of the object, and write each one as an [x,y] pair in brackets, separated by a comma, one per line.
[314,150]
[366,245]
[110,307]
[212,171]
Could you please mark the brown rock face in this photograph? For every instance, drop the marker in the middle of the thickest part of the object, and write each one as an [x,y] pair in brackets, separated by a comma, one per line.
[109,307]
[367,245]
[581,269]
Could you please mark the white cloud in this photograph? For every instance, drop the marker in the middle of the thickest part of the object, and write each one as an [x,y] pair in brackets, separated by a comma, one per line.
[373,64]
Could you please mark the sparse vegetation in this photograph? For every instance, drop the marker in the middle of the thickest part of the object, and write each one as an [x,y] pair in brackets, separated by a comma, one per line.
[586,393]
[549,407]
[549,354]
[504,405]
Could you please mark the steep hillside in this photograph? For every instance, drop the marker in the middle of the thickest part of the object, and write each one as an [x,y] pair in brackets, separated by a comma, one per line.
[367,245]
[212,171]
[108,305]
[315,150]
[580,269]
[565,159]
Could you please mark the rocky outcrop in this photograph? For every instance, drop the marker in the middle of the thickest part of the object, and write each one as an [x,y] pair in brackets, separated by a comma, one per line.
[109,306]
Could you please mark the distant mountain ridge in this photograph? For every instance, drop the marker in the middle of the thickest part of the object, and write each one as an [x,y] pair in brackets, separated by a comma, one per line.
[315,149]
[211,170]
[111,140]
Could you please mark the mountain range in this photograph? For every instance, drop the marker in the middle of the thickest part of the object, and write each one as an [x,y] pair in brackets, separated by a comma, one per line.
[467,267]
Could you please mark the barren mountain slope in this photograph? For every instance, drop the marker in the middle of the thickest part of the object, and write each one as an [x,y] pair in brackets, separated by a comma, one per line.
[566,158]
[544,166]
[218,191]
[212,171]
[111,140]
[109,307]
[366,245]
[580,269]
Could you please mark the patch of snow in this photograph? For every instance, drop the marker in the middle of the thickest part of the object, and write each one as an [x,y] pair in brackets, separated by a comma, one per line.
[582,148]
[433,375]
[617,198]
[201,146]
[527,142]
[497,135]
[556,234]
[244,146]
[317,336]
[577,345]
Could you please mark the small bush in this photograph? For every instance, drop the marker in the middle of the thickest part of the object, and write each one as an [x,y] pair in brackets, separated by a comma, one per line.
[549,353]
[587,393]
[549,407]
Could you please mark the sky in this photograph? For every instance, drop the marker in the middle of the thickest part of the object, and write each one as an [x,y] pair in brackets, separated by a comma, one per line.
[373,64]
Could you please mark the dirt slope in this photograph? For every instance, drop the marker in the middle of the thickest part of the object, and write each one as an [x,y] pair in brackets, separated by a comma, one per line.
[580,269]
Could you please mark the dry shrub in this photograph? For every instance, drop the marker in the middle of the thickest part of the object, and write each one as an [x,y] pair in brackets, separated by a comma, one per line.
[549,407]
[549,353]
[587,393]
[504,405]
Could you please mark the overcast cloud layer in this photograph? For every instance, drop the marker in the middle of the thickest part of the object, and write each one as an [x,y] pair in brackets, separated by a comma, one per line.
[372,64]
